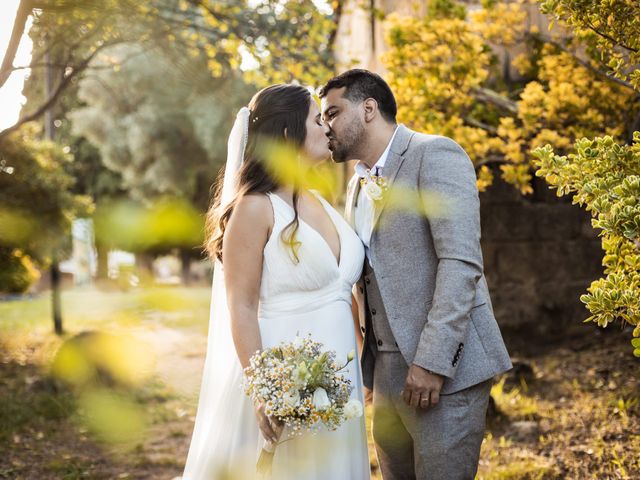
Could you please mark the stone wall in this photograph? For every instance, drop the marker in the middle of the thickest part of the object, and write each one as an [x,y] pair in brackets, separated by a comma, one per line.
[540,255]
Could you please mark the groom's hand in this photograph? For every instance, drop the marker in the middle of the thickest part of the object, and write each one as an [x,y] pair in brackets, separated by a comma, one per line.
[422,387]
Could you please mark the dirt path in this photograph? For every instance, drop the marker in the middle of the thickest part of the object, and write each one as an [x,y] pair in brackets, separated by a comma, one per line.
[179,356]
[179,361]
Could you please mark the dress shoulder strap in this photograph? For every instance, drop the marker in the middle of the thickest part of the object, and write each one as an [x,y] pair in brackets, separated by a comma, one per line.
[282,211]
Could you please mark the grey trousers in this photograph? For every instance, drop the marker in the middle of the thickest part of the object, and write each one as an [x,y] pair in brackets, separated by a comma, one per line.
[440,443]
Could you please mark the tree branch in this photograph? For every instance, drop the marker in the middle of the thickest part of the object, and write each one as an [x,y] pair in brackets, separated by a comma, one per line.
[49,102]
[337,15]
[478,124]
[610,38]
[63,6]
[493,160]
[496,99]
[24,8]
[57,42]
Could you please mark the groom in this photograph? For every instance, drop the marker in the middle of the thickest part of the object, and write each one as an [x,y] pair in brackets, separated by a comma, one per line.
[431,342]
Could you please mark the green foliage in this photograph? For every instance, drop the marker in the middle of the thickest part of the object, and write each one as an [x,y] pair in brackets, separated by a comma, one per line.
[268,41]
[36,206]
[92,178]
[293,42]
[17,271]
[603,174]
[158,121]
[604,177]
[446,9]
[611,29]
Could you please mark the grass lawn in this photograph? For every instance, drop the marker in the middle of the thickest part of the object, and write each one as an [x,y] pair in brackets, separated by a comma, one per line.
[91,308]
[569,410]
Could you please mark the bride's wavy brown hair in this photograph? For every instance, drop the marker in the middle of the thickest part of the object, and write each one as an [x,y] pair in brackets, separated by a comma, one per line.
[274,110]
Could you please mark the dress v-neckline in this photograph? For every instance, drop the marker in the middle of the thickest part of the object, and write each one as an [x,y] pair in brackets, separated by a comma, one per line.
[337,259]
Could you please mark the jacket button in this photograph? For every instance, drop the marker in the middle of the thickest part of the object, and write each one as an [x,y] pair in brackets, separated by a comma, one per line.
[373,311]
[379,343]
[367,280]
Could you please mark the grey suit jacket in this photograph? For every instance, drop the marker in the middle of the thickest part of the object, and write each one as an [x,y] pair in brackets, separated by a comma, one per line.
[429,267]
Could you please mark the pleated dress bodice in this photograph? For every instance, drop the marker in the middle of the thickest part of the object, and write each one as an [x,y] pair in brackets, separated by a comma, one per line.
[317,277]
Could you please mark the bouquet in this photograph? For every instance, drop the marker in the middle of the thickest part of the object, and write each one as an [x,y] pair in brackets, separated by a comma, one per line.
[301,385]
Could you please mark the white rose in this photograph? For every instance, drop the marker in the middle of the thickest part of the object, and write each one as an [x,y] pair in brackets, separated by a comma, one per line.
[352,409]
[321,399]
[301,375]
[291,397]
[373,191]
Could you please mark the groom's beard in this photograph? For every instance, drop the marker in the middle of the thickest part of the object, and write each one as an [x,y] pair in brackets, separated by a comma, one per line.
[346,147]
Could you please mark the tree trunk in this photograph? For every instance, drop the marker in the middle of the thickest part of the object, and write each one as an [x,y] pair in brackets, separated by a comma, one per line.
[49,128]
[103,261]
[22,14]
[56,307]
[185,258]
[144,267]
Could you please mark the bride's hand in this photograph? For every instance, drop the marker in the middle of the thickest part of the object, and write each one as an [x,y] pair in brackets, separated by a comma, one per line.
[271,428]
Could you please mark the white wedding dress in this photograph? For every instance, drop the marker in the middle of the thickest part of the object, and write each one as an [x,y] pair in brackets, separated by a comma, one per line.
[312,297]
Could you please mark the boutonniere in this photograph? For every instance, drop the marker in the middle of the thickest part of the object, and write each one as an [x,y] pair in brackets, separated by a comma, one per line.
[374,185]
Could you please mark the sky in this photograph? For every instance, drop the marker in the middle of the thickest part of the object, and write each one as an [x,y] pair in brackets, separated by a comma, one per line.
[11,98]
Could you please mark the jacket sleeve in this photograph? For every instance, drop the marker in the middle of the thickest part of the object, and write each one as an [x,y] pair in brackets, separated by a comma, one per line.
[447,173]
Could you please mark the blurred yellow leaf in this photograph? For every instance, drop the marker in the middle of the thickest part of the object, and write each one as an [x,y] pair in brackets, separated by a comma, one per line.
[121,358]
[15,226]
[113,418]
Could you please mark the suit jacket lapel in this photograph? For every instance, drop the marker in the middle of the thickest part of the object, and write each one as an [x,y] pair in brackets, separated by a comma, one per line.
[350,204]
[393,163]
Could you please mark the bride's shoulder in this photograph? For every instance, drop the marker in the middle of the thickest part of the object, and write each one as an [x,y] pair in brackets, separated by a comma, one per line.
[254,208]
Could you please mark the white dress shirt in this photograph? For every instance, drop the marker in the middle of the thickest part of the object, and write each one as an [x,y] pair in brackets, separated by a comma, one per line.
[365,207]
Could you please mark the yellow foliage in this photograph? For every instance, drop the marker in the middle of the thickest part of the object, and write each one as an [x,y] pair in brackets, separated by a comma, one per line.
[504,24]
[485,178]
[570,100]
[441,69]
[522,63]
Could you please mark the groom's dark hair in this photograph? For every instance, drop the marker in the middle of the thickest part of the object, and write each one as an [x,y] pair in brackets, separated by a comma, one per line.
[362,84]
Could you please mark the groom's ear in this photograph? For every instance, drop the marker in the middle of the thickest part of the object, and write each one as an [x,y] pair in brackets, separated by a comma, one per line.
[370,109]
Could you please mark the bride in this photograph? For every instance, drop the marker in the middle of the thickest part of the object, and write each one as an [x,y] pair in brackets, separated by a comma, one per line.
[290,261]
